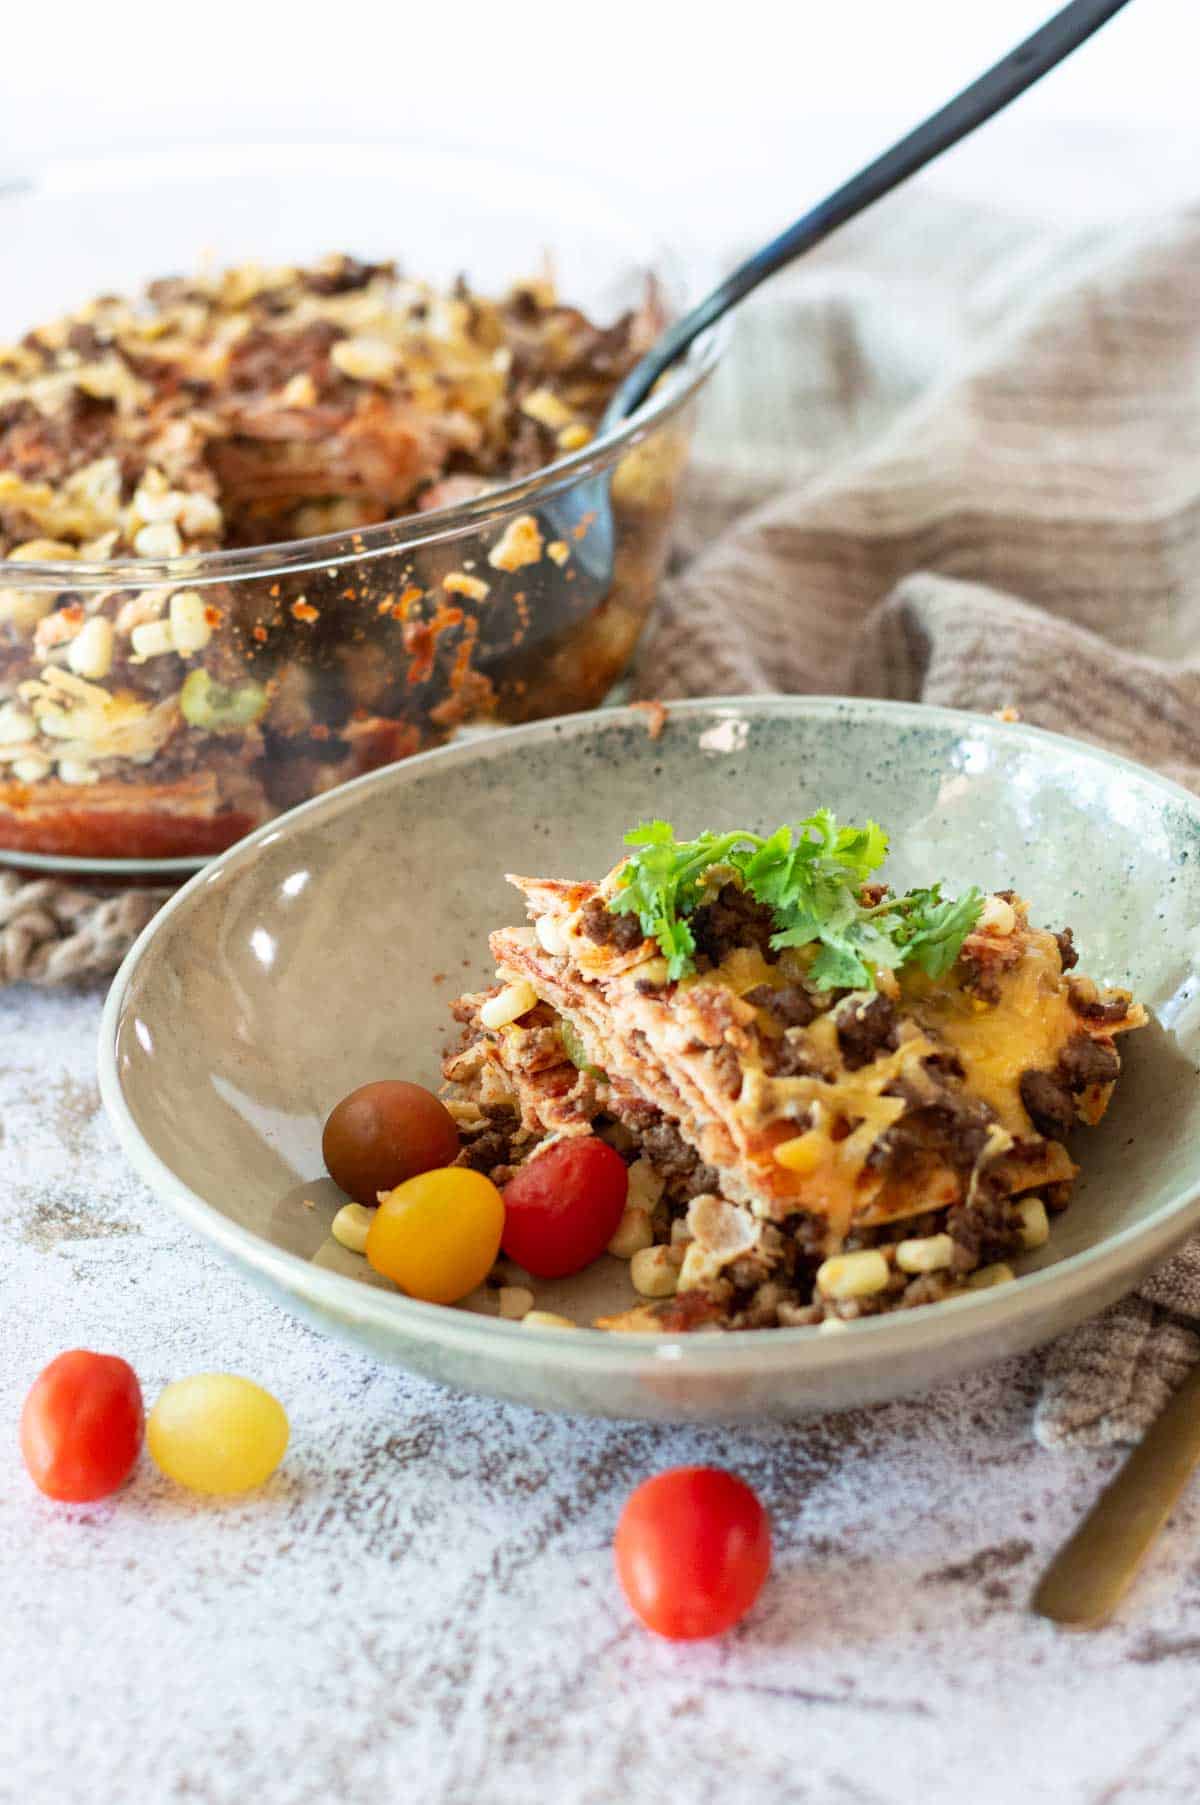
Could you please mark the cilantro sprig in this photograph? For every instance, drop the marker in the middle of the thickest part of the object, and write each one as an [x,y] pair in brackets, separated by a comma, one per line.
[811,876]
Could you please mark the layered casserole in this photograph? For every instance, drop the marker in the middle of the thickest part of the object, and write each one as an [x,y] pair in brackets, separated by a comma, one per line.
[833,1099]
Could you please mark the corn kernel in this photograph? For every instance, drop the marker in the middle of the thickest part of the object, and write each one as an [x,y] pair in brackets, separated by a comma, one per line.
[200,514]
[520,544]
[146,605]
[459,583]
[849,1275]
[365,359]
[511,1003]
[549,931]
[90,653]
[996,917]
[57,725]
[351,1226]
[547,408]
[655,1271]
[77,770]
[516,1301]
[158,540]
[22,609]
[190,630]
[575,437]
[1035,1224]
[299,391]
[153,504]
[927,1253]
[44,551]
[16,725]
[698,1267]
[634,1234]
[152,639]
[803,1154]
[645,1185]
[31,769]
[987,1276]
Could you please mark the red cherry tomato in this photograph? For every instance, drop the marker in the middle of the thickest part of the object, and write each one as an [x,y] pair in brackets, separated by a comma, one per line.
[562,1209]
[693,1548]
[82,1425]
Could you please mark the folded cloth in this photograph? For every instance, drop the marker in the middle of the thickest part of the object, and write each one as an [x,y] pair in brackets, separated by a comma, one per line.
[965,467]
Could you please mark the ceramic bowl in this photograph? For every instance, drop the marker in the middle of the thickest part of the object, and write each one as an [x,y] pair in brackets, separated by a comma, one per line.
[324,951]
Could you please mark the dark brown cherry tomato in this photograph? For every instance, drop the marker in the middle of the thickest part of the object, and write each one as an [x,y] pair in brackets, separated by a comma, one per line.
[562,1209]
[693,1548]
[385,1133]
[82,1426]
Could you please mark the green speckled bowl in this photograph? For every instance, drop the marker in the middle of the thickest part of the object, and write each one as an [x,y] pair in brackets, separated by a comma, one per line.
[324,950]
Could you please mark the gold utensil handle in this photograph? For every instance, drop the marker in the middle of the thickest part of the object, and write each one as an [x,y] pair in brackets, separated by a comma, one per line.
[1089,1574]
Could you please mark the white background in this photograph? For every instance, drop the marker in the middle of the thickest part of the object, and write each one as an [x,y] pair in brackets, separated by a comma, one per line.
[727,119]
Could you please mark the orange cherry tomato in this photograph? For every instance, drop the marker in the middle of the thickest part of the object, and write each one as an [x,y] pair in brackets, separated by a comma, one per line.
[437,1236]
[692,1548]
[82,1426]
[562,1209]
[384,1133]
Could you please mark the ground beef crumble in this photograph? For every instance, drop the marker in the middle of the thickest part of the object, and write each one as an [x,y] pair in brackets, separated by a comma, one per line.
[678,1165]
[493,1146]
[731,920]
[788,1058]
[983,1232]
[603,928]
[1087,1061]
[1048,1104]
[1067,952]
[791,1005]
[866,1029]
[1087,1002]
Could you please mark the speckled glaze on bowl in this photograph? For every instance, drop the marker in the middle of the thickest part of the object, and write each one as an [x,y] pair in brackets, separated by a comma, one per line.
[324,950]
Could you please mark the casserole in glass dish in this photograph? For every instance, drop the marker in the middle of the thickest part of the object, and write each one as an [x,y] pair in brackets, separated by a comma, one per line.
[277,508]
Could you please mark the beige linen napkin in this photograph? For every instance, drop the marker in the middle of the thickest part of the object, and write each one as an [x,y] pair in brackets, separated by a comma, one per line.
[967,462]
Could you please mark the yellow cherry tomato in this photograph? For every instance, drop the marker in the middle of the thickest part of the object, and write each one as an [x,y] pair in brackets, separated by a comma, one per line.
[437,1235]
[216,1432]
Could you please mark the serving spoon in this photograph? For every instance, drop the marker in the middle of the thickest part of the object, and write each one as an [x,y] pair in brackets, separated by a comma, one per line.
[582,514]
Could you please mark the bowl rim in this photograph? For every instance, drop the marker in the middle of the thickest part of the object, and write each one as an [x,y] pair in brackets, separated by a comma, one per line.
[1069,1280]
[403,532]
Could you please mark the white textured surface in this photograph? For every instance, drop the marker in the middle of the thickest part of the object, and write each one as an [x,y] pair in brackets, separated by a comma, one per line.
[420,1605]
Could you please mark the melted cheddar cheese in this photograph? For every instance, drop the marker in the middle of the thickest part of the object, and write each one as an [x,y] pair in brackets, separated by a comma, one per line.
[814,1134]
[1027,1027]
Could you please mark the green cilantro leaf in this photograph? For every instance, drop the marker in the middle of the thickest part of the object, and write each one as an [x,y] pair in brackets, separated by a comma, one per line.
[940,928]
[811,876]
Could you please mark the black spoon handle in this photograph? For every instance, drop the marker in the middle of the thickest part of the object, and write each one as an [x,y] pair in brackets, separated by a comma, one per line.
[1003,82]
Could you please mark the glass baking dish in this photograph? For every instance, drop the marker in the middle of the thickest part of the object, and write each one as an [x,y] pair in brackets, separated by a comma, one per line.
[308,662]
